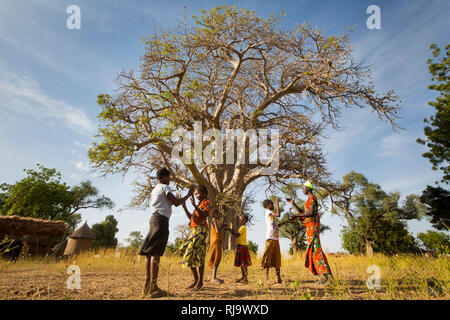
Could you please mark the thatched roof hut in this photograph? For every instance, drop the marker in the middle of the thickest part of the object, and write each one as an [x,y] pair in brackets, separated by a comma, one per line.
[16,226]
[31,236]
[80,240]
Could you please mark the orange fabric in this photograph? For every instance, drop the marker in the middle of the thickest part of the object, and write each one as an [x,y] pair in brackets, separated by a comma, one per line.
[311,200]
[315,259]
[215,248]
[196,219]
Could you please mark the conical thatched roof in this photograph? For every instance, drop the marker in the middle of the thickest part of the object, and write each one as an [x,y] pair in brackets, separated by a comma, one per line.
[84,232]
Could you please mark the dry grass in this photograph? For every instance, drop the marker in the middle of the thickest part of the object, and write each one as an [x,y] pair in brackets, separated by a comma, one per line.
[112,277]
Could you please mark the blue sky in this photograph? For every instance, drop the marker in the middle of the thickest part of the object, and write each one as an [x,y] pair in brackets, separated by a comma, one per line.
[50,77]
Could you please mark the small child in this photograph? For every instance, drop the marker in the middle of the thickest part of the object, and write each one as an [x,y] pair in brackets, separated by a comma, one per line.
[215,249]
[242,258]
[272,254]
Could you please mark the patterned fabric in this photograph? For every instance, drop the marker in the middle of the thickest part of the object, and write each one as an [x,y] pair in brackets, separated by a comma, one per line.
[315,259]
[215,248]
[242,257]
[272,255]
[196,219]
[194,248]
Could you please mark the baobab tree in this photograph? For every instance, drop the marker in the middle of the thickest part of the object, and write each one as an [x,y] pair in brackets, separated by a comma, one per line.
[233,70]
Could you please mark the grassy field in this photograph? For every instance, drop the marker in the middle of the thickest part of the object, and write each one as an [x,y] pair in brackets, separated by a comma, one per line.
[111,275]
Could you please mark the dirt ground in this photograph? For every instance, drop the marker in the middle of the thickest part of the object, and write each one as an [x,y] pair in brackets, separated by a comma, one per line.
[122,278]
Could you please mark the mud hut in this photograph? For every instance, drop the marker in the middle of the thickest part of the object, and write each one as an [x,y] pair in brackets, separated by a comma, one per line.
[30,236]
[80,240]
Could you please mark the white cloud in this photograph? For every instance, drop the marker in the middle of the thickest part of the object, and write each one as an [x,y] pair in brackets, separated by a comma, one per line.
[394,144]
[80,165]
[23,95]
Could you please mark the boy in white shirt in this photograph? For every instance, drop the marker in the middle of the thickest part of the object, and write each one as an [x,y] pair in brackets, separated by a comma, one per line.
[272,254]
[155,242]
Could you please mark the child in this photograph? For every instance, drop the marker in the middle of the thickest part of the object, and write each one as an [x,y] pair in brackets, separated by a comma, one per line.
[315,261]
[215,249]
[242,258]
[155,242]
[195,246]
[272,255]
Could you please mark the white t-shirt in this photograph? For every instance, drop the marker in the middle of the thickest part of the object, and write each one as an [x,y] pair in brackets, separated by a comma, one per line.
[159,201]
[271,225]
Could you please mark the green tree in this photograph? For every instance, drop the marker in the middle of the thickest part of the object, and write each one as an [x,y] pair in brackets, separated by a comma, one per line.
[434,240]
[105,233]
[376,219]
[232,70]
[437,127]
[42,195]
[436,201]
[437,131]
[135,240]
[174,247]
[252,246]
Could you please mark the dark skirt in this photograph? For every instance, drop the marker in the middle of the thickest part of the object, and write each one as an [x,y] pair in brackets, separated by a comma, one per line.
[156,240]
[242,257]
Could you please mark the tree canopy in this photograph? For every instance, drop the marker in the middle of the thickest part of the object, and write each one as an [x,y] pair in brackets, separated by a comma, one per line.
[233,70]
[376,219]
[135,239]
[437,129]
[105,233]
[42,195]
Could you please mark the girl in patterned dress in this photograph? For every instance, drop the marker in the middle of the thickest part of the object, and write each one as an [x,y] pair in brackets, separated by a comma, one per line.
[315,259]
[195,246]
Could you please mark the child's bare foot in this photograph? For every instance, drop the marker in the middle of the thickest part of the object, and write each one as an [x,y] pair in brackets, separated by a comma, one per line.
[158,293]
[244,281]
[198,287]
[239,280]
[217,280]
[192,285]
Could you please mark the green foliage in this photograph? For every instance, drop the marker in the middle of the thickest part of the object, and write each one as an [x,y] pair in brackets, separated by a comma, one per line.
[437,127]
[387,237]
[42,195]
[437,204]
[135,240]
[252,246]
[175,246]
[434,240]
[105,233]
[375,217]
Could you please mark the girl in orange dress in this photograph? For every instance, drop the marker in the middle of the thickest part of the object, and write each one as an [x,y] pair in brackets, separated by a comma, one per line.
[315,261]
[215,248]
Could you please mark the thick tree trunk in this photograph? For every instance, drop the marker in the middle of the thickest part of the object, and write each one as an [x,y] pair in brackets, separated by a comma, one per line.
[369,248]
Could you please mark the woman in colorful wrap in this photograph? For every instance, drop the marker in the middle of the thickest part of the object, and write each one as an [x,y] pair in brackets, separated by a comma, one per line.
[195,246]
[315,261]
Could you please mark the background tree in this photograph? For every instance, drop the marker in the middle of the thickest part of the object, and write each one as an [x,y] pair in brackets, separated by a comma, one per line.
[252,246]
[135,240]
[105,233]
[42,195]
[437,130]
[376,220]
[434,240]
[437,127]
[232,70]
